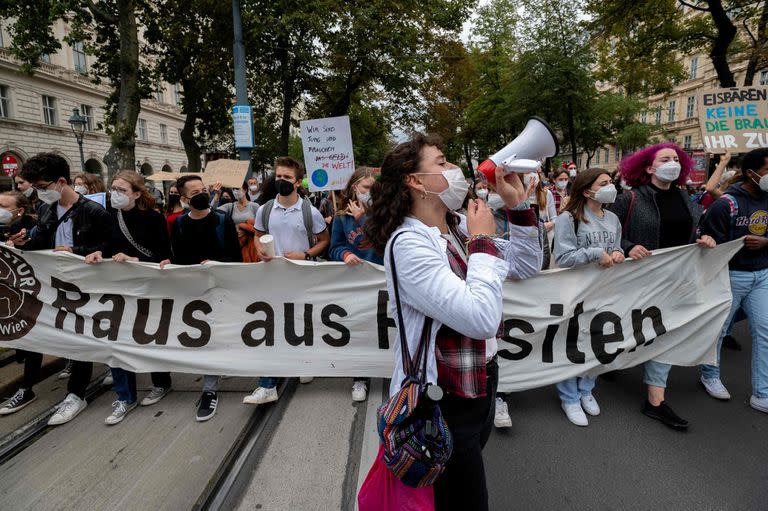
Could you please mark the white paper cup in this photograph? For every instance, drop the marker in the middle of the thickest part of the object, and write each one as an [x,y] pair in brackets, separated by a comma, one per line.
[268,244]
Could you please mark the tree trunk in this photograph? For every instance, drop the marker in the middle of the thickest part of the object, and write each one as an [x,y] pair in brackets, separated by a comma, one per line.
[191,147]
[726,32]
[762,40]
[572,130]
[121,154]
[468,158]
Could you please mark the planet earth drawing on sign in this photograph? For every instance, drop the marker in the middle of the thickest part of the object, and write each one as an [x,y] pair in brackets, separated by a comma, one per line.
[319,177]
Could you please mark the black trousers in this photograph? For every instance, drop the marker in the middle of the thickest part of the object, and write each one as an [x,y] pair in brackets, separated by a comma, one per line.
[462,485]
[78,380]
[161,380]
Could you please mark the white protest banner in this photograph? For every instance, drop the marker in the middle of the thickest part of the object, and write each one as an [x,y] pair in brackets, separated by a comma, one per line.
[328,154]
[734,119]
[286,318]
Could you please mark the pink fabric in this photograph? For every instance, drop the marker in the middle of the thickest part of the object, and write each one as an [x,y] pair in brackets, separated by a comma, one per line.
[382,491]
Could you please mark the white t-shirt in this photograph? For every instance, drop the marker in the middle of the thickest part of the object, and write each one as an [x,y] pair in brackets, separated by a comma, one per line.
[64,236]
[287,226]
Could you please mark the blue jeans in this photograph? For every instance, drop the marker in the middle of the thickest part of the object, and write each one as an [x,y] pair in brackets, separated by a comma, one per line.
[656,373]
[124,384]
[750,292]
[571,390]
[267,383]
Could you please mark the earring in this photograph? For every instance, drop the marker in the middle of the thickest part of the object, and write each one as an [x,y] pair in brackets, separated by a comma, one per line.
[423,194]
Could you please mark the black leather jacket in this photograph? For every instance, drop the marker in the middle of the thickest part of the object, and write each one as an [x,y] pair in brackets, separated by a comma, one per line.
[92,228]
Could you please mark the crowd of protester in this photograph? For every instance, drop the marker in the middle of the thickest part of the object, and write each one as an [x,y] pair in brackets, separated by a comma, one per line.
[460,240]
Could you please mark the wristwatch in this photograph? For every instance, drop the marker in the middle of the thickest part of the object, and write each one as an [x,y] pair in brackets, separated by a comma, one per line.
[307,257]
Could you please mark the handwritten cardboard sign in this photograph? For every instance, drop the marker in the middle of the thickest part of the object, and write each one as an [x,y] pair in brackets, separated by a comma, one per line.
[328,155]
[734,119]
[230,173]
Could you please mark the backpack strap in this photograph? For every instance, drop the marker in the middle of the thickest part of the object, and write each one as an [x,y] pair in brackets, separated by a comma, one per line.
[306,213]
[629,212]
[265,214]
[221,227]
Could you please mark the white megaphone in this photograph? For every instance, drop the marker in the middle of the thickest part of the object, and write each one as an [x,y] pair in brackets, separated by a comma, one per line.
[536,142]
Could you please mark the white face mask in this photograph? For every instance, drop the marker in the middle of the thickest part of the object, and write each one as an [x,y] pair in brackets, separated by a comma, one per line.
[495,202]
[28,192]
[185,205]
[605,194]
[82,190]
[120,200]
[49,196]
[482,193]
[668,171]
[364,198]
[763,181]
[453,196]
[561,185]
[572,173]
[253,188]
[5,216]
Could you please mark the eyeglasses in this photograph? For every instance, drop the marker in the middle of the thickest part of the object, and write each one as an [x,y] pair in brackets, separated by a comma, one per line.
[43,188]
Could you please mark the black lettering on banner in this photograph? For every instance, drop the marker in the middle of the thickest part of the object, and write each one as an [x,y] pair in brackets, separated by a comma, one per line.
[572,339]
[525,346]
[290,325]
[547,356]
[325,317]
[160,336]
[67,306]
[188,317]
[383,321]
[267,324]
[599,338]
[638,317]
[112,317]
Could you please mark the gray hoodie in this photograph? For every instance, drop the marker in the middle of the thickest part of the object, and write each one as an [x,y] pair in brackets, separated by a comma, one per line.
[596,235]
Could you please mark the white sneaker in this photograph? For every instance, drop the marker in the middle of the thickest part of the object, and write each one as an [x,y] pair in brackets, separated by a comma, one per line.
[260,396]
[359,391]
[715,388]
[67,410]
[501,418]
[155,395]
[759,403]
[108,380]
[575,413]
[589,404]
[306,379]
[121,409]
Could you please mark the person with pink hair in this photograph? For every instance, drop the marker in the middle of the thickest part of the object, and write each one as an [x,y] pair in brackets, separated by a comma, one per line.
[657,213]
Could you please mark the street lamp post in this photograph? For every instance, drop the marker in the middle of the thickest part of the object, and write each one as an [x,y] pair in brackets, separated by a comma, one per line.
[78,122]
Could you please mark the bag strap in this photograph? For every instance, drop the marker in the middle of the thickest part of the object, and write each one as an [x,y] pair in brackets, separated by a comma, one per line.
[265,214]
[629,211]
[306,213]
[68,214]
[124,229]
[410,366]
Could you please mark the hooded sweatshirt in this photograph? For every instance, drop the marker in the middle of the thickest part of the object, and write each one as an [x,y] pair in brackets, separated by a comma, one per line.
[725,223]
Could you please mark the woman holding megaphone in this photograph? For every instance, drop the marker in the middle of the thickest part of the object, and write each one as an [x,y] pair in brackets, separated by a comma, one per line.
[450,268]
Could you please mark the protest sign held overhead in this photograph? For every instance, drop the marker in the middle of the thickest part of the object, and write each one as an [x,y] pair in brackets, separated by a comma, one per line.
[734,119]
[328,154]
[230,173]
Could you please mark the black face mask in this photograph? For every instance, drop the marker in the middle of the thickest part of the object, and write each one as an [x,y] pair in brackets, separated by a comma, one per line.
[200,201]
[284,188]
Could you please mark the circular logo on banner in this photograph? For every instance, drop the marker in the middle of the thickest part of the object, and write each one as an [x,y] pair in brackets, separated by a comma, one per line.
[10,165]
[758,222]
[319,177]
[19,306]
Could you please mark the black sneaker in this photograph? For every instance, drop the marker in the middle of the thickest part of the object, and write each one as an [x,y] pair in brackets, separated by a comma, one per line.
[20,399]
[731,343]
[666,415]
[206,407]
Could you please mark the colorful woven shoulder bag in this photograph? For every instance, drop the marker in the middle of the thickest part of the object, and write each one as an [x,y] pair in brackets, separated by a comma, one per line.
[416,439]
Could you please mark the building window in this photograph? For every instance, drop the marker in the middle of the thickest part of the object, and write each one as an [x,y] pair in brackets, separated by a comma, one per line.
[644,117]
[49,110]
[142,129]
[658,116]
[177,94]
[87,112]
[181,142]
[617,153]
[694,67]
[763,77]
[78,51]
[690,107]
[671,111]
[687,141]
[2,41]
[159,96]
[607,156]
[597,157]
[5,101]
[163,134]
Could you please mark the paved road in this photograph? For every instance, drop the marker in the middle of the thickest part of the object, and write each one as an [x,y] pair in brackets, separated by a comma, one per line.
[627,461]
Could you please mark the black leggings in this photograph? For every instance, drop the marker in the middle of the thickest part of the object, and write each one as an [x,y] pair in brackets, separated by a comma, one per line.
[462,485]
[78,380]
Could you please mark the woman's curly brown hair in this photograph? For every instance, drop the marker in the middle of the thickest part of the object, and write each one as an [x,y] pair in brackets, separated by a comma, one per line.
[392,200]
